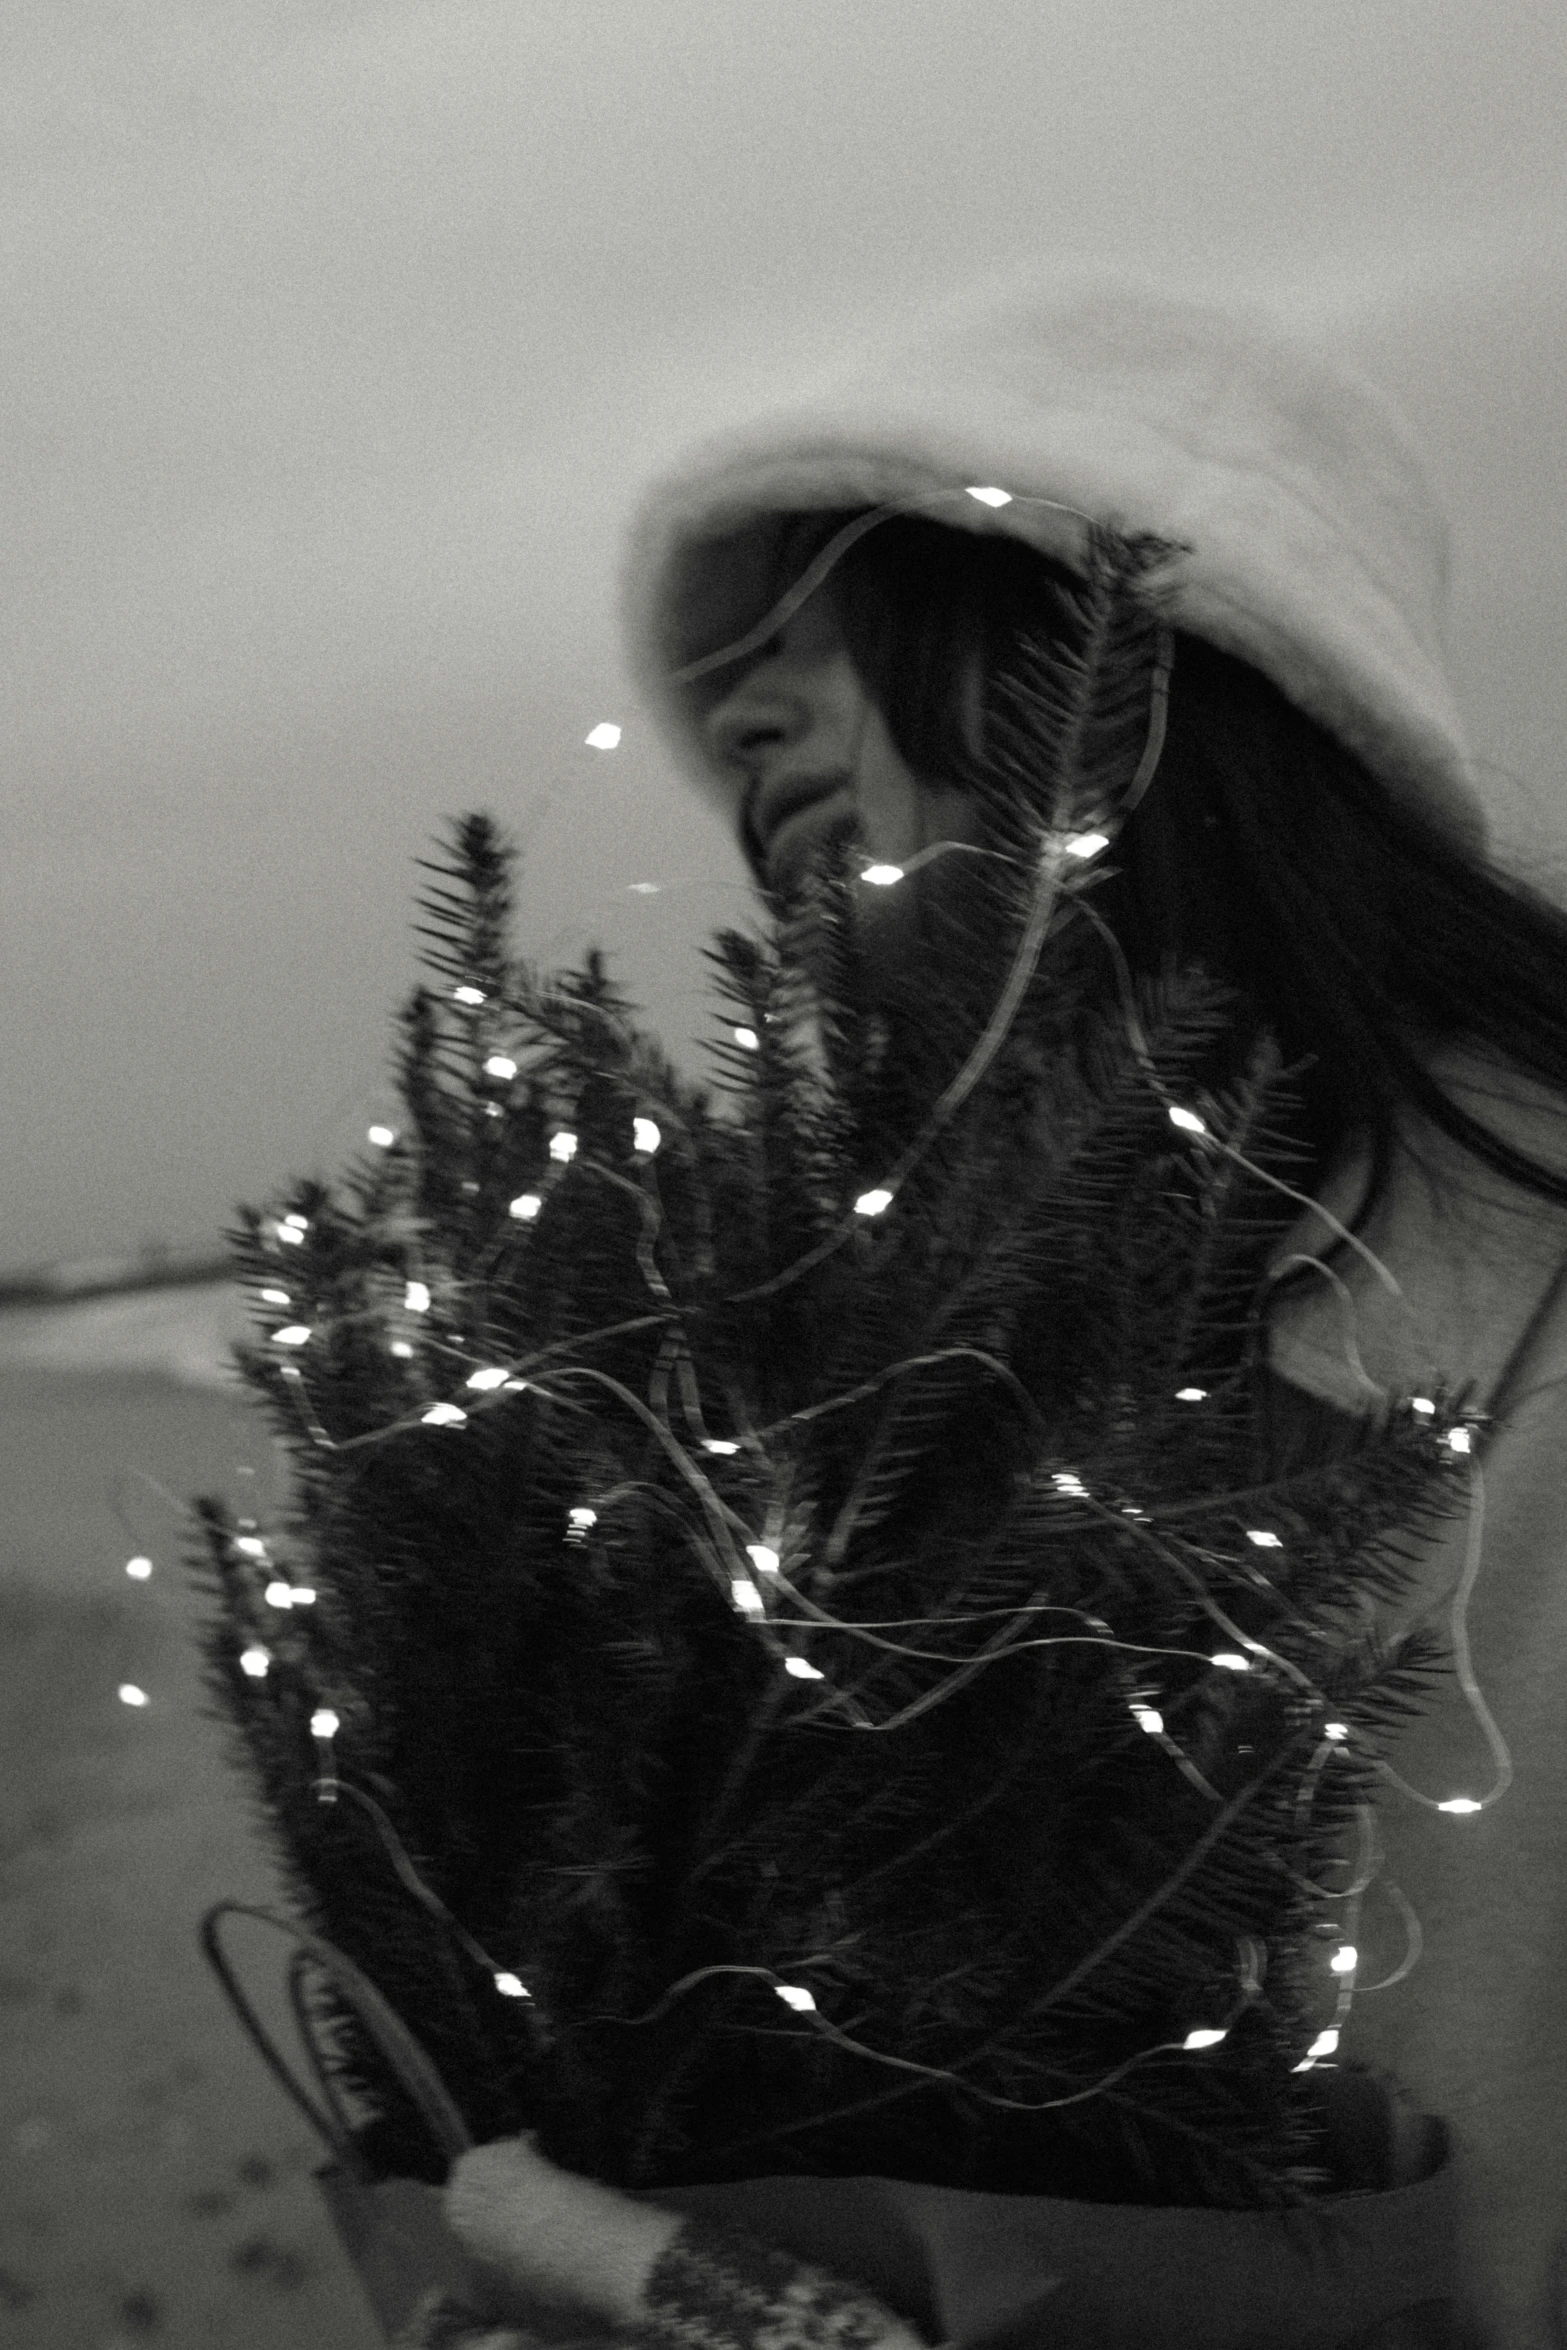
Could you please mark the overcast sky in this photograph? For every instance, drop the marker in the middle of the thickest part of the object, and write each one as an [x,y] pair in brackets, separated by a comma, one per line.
[336,339]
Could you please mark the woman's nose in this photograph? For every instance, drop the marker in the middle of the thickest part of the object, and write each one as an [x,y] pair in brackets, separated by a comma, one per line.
[759,713]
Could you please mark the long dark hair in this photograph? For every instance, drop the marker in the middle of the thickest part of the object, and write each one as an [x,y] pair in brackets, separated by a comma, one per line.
[1265,850]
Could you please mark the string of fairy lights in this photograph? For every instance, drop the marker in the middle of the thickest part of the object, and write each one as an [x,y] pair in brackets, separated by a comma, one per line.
[754,1568]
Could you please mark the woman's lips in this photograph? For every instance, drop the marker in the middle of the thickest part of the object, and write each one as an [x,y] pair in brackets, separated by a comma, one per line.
[797,839]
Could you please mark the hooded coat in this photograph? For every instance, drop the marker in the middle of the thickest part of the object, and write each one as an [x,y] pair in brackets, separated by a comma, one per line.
[1313,550]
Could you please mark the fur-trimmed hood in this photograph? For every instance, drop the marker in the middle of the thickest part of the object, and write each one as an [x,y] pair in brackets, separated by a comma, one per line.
[1316,551]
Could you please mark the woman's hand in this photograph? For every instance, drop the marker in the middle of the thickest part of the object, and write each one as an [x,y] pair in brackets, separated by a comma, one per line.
[442,2323]
[565,2254]
[552,2243]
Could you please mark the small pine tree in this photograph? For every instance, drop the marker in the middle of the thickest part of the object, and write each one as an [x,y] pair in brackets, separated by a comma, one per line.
[809,1593]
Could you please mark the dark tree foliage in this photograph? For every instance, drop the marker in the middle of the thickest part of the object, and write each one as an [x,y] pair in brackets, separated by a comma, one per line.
[811,1778]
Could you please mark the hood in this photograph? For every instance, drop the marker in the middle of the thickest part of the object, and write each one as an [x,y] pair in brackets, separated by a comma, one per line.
[1315,550]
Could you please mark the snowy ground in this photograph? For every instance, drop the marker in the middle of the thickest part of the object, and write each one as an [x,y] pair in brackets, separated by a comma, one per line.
[155,2186]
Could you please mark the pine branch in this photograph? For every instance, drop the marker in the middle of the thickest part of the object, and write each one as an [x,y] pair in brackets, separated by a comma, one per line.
[788,1603]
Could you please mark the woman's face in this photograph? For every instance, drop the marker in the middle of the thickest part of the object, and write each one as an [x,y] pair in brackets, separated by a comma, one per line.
[817,759]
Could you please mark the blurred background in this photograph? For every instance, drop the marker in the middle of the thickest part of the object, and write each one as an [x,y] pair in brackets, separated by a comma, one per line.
[337,338]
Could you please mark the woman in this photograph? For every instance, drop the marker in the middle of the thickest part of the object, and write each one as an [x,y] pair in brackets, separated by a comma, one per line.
[816,606]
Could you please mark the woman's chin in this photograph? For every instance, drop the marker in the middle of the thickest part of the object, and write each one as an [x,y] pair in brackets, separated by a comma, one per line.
[814,840]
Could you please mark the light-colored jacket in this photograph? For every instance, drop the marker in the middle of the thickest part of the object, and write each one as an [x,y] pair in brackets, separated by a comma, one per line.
[1476,2028]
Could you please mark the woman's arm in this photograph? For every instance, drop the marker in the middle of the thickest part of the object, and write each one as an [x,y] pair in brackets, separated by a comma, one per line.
[552,2241]
[561,2252]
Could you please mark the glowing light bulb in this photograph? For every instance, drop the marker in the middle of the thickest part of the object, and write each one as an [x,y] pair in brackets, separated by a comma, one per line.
[131,1695]
[401,1348]
[762,1557]
[1205,2036]
[500,1065]
[991,497]
[882,876]
[468,995]
[1458,1440]
[748,1038]
[800,1669]
[645,1135]
[254,1661]
[276,1297]
[563,1146]
[1423,1405]
[444,1415]
[301,1595]
[526,1206]
[874,1202]
[1149,1718]
[138,1568]
[511,1986]
[1191,1395]
[746,1596]
[489,1377]
[294,1222]
[293,1234]
[604,736]
[583,1517]
[1188,1121]
[1336,1731]
[324,1723]
[1324,2043]
[1345,1959]
[382,1136]
[720,1444]
[1460,1803]
[1231,1662]
[1263,1539]
[250,1546]
[292,1334]
[279,1594]
[793,1995]
[416,1298]
[1087,844]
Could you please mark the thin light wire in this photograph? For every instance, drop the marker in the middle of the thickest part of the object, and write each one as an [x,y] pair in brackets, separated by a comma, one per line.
[1463,1664]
